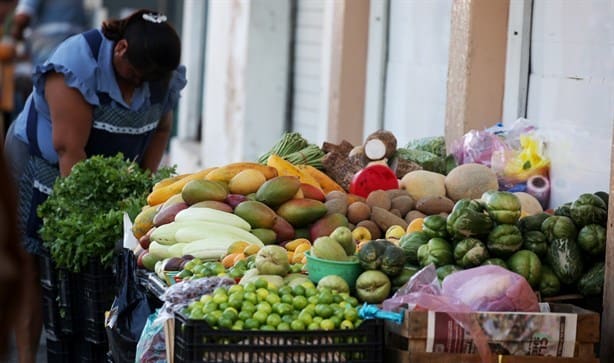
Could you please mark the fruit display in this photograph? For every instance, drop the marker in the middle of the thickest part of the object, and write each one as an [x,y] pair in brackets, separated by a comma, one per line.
[257,305]
[362,219]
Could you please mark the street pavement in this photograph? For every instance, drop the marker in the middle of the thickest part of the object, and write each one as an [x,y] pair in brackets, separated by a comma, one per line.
[41,357]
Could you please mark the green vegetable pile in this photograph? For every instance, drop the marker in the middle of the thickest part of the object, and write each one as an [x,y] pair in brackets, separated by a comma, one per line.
[83,216]
[430,153]
[557,253]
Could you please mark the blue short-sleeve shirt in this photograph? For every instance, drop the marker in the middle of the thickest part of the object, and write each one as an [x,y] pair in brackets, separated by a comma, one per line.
[90,76]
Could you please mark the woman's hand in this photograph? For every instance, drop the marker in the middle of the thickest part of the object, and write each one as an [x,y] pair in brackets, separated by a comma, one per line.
[71,121]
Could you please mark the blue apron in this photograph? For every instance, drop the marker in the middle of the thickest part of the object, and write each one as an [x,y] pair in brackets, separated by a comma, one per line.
[113,130]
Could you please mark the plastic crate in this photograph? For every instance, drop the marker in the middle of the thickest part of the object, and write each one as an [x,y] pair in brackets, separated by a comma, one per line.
[59,350]
[97,292]
[196,341]
[48,271]
[58,319]
[88,352]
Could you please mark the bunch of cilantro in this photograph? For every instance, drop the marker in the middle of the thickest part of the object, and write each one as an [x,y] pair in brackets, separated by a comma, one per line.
[83,216]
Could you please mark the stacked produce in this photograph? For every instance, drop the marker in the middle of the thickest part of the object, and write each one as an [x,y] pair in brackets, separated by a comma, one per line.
[560,251]
[373,214]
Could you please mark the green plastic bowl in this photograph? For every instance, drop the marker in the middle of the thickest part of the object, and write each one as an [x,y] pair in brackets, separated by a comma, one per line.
[318,268]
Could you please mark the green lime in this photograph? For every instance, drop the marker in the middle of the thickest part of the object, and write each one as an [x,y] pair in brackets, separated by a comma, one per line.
[313,326]
[244,315]
[287,298]
[350,314]
[298,290]
[224,322]
[196,314]
[251,323]
[211,306]
[221,289]
[336,320]
[327,324]
[299,302]
[283,308]
[325,297]
[352,300]
[311,291]
[273,299]
[323,310]
[297,325]
[230,313]
[261,283]
[305,317]
[220,297]
[248,307]
[265,307]
[267,327]
[235,288]
[262,293]
[346,325]
[285,289]
[250,286]
[206,298]
[288,318]
[223,306]
[273,320]
[235,300]
[238,325]
[211,319]
[250,296]
[283,326]
[260,316]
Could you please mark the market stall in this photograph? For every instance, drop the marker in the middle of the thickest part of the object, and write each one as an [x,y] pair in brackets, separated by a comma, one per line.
[296,249]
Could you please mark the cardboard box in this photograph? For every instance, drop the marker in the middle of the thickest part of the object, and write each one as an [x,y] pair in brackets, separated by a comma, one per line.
[567,332]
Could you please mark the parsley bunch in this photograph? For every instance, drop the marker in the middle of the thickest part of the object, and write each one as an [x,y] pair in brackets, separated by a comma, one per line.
[83,216]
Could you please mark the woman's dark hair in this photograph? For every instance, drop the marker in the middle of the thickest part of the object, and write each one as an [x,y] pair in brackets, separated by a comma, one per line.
[154,47]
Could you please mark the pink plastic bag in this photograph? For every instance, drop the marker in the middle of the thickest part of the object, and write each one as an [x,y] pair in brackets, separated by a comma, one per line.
[483,288]
[491,288]
[477,147]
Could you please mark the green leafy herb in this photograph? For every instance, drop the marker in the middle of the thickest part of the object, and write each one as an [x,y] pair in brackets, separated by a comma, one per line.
[83,216]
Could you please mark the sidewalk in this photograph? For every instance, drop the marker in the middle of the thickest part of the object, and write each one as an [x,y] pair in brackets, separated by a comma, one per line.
[41,356]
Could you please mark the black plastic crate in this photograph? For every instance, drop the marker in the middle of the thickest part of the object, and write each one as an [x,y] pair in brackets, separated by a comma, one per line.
[97,292]
[195,341]
[58,319]
[59,350]
[88,352]
[48,271]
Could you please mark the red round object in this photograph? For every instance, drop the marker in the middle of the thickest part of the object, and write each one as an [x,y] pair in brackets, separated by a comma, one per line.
[372,178]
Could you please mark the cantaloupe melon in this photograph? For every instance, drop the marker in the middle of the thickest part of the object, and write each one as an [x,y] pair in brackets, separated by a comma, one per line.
[529,205]
[470,181]
[424,183]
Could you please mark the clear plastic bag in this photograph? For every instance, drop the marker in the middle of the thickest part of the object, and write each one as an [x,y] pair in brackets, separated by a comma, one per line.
[515,166]
[151,348]
[483,288]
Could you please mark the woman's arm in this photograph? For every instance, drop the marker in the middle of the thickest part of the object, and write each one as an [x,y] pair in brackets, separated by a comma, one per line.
[157,145]
[71,121]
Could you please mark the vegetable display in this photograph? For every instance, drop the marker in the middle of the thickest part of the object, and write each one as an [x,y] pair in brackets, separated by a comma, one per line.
[82,218]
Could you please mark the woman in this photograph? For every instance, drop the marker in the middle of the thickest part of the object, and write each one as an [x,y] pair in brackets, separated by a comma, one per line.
[100,93]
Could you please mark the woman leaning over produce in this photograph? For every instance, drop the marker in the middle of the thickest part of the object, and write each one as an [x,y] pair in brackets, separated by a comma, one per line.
[101,92]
